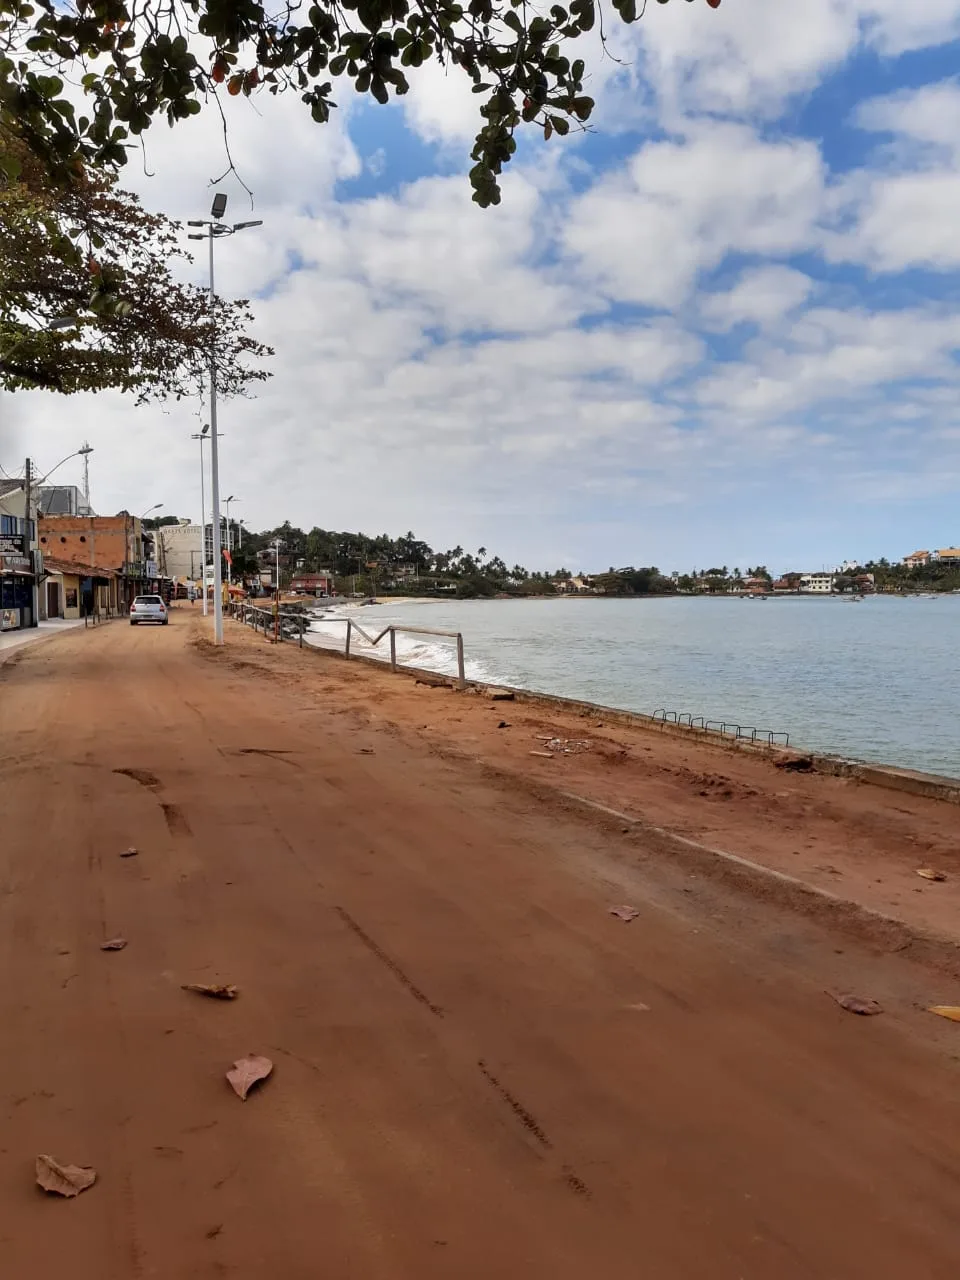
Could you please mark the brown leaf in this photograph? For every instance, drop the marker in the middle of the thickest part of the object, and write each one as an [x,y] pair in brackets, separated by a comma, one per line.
[857,1004]
[951,1011]
[115,944]
[928,873]
[130,853]
[247,1072]
[63,1179]
[219,991]
[625,913]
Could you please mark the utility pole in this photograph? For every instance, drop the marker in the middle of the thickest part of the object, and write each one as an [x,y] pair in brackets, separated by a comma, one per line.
[28,504]
[215,229]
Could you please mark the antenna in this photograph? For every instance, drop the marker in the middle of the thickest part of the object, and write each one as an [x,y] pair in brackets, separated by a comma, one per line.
[85,451]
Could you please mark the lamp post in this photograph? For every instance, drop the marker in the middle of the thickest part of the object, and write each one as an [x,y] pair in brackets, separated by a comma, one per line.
[156,507]
[215,230]
[201,436]
[226,503]
[29,483]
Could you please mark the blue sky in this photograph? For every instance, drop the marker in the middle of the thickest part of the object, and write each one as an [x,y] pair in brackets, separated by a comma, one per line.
[719,328]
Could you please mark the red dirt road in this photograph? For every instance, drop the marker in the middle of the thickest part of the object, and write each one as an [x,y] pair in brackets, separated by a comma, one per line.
[478,1071]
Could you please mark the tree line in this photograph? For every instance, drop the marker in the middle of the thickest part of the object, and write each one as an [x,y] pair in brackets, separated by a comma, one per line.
[408,565]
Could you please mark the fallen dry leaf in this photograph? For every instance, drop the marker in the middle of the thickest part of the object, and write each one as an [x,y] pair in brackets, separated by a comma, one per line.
[63,1179]
[951,1011]
[857,1004]
[115,944]
[130,853]
[219,991]
[625,913]
[247,1072]
[928,873]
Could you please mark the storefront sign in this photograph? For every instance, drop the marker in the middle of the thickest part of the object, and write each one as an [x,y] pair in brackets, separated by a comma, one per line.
[13,564]
[12,544]
[9,619]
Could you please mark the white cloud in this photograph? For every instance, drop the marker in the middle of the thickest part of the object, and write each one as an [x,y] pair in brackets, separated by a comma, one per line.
[679,207]
[899,212]
[930,114]
[761,296]
[897,26]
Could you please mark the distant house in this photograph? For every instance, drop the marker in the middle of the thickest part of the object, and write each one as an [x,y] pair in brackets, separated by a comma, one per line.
[574,586]
[949,555]
[917,560]
[312,584]
[783,585]
[816,583]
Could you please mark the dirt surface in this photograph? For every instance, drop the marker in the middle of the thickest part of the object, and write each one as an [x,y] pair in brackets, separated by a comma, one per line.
[478,1071]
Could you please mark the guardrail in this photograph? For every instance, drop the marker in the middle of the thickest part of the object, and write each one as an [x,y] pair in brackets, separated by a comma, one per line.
[296,624]
[392,631]
[726,728]
[285,625]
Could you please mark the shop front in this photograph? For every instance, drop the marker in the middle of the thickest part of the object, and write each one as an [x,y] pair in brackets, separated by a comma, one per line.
[16,591]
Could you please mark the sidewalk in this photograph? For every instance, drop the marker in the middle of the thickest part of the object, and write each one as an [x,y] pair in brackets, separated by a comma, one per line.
[10,640]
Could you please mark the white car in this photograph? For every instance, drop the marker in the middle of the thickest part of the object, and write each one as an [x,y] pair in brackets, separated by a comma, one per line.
[148,609]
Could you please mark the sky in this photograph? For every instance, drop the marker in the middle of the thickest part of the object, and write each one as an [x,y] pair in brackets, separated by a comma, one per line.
[719,328]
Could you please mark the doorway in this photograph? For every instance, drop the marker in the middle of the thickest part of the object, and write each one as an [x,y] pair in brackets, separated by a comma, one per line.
[53,600]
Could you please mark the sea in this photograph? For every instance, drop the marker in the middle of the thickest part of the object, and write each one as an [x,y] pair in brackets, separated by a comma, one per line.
[873,679]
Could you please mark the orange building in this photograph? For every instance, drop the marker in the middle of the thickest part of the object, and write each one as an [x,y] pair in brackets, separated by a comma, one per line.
[105,542]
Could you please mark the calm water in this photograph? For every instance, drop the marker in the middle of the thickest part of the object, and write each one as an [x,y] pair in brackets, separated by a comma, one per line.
[874,680]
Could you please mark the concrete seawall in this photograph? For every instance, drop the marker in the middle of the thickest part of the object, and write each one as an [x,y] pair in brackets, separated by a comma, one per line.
[914,782]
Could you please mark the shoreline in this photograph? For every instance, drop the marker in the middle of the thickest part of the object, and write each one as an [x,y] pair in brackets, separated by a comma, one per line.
[831,828]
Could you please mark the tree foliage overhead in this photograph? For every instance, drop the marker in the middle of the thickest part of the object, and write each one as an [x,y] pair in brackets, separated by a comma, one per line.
[89,252]
[139,59]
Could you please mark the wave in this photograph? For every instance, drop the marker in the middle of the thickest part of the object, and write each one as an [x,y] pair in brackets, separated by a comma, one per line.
[429,653]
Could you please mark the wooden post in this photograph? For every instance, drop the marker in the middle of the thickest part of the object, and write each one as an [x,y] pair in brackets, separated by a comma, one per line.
[393,649]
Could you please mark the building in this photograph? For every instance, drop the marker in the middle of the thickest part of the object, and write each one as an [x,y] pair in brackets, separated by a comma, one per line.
[19,562]
[949,556]
[115,542]
[917,560]
[77,590]
[180,551]
[312,584]
[62,500]
[817,583]
[578,586]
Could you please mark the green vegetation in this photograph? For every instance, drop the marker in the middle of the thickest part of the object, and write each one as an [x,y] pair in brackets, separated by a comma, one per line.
[88,258]
[939,575]
[409,566]
[137,60]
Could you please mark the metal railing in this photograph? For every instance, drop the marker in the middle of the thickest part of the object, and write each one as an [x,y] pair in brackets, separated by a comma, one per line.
[726,728]
[287,625]
[392,631]
[292,625]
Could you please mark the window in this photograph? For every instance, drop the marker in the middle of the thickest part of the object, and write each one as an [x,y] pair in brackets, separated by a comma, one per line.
[62,539]
[8,525]
[43,539]
[83,537]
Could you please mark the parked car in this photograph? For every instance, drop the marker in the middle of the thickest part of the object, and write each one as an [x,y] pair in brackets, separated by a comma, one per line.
[148,609]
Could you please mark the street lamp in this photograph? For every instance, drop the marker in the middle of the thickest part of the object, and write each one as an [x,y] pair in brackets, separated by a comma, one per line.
[201,436]
[156,507]
[216,230]
[226,503]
